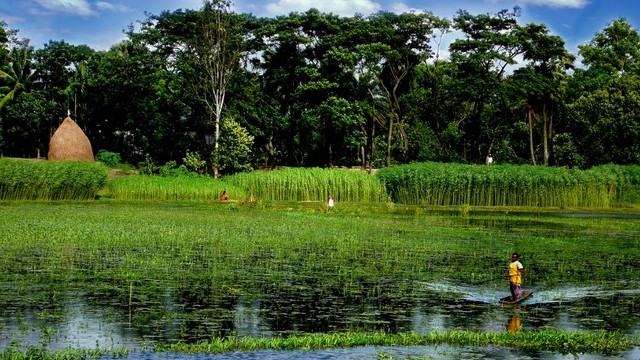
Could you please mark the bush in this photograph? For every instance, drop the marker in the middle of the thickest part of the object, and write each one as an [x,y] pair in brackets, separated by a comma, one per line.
[171,169]
[111,159]
[194,162]
[148,166]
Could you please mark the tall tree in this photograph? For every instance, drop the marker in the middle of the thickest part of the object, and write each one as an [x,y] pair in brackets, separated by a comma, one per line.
[607,123]
[395,45]
[13,64]
[546,73]
[132,107]
[215,53]
[202,50]
[55,67]
[482,58]
[614,51]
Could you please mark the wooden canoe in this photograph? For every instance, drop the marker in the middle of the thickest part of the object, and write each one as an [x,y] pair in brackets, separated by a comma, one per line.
[523,296]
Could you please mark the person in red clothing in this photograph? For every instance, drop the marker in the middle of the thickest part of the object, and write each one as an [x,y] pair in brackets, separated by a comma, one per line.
[224,196]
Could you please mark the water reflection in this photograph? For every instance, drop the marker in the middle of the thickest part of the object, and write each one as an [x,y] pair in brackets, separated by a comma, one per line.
[105,316]
[515,323]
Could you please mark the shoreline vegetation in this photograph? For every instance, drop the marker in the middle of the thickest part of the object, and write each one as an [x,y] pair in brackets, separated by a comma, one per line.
[541,340]
[564,342]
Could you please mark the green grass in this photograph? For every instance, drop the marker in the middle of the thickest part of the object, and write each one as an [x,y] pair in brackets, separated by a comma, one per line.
[147,240]
[545,340]
[40,353]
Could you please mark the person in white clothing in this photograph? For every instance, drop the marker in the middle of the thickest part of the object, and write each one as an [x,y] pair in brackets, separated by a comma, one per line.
[330,203]
[489,159]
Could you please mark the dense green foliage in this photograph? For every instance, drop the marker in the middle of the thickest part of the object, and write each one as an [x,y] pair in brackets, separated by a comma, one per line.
[509,185]
[318,90]
[315,184]
[108,158]
[542,340]
[50,180]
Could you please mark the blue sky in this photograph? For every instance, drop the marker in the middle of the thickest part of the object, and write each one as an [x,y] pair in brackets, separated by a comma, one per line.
[100,24]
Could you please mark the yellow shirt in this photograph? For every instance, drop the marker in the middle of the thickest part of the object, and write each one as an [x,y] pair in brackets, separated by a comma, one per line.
[515,272]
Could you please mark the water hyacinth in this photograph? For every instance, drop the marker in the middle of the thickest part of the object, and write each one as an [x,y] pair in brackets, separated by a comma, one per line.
[550,340]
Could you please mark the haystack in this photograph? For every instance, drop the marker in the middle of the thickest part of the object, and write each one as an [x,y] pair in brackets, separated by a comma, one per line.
[70,143]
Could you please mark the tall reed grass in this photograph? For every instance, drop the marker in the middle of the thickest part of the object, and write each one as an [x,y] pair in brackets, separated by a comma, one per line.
[22,179]
[506,185]
[311,184]
[172,188]
[626,179]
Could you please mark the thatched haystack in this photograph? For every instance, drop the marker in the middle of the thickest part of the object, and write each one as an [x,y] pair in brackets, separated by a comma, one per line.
[70,143]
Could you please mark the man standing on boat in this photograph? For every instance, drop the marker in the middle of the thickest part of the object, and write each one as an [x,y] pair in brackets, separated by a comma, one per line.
[514,274]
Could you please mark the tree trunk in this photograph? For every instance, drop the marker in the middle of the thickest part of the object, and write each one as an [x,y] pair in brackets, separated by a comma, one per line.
[216,146]
[387,159]
[270,152]
[530,118]
[544,135]
[550,137]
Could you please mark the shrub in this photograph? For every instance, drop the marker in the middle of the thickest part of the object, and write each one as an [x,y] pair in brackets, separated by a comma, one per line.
[111,159]
[148,166]
[194,162]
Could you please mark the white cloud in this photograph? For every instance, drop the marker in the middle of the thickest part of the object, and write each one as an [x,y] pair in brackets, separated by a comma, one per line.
[338,7]
[12,20]
[77,7]
[399,8]
[572,4]
[103,5]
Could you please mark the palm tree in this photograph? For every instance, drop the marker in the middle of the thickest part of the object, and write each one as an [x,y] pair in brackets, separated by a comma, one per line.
[17,75]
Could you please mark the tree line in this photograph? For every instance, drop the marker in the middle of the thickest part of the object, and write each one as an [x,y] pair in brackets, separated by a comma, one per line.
[225,92]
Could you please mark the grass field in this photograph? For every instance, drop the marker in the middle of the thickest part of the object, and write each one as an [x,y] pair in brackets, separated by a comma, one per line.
[138,240]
